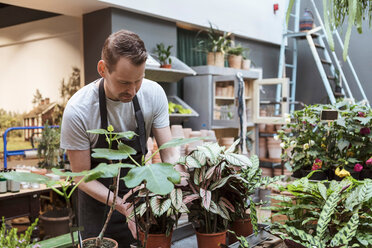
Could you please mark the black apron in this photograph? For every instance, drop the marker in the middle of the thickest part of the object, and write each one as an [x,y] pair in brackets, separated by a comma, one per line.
[91,212]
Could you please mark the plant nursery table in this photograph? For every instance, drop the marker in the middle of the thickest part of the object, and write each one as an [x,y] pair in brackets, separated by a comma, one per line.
[26,202]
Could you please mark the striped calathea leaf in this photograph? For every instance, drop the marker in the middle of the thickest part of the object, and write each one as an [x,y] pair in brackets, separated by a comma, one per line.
[159,205]
[326,214]
[303,236]
[253,215]
[344,236]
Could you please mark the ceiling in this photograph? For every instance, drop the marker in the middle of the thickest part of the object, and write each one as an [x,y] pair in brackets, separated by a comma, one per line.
[64,7]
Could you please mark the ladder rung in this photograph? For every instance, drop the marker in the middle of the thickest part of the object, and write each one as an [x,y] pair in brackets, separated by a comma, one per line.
[331,78]
[293,15]
[319,46]
[336,94]
[289,65]
[325,61]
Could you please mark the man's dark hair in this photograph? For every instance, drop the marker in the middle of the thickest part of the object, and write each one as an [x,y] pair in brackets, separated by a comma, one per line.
[125,44]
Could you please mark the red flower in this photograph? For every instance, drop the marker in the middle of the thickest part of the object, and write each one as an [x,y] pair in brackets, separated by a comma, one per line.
[369,161]
[358,167]
[365,131]
[315,167]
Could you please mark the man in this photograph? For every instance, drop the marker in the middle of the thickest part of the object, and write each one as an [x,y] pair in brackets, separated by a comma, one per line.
[124,99]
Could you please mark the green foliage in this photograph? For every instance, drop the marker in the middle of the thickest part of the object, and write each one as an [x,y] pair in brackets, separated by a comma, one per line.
[10,119]
[37,97]
[163,53]
[326,214]
[243,243]
[178,109]
[216,41]
[341,143]
[221,183]
[67,90]
[48,150]
[237,50]
[10,238]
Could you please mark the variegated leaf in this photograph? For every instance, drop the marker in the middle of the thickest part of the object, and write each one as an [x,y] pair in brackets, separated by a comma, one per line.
[190,198]
[183,209]
[220,182]
[196,176]
[210,172]
[253,215]
[237,159]
[227,204]
[213,208]
[346,233]
[207,153]
[303,235]
[202,174]
[231,149]
[206,198]
[176,198]
[192,162]
[214,148]
[181,160]
[223,212]
[322,190]
[326,214]
[200,157]
[159,206]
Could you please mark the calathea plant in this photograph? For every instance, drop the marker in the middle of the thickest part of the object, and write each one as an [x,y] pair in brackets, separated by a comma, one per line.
[326,214]
[214,184]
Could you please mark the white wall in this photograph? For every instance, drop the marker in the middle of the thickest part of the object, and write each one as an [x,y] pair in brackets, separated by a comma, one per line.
[247,18]
[37,55]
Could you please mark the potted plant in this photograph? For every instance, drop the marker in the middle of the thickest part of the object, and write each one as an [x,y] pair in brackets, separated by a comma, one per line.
[326,214]
[244,223]
[163,55]
[246,64]
[327,146]
[214,183]
[215,45]
[235,56]
[10,238]
[48,150]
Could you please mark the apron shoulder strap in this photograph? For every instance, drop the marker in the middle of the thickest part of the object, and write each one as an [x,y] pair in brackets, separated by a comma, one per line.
[141,124]
[102,105]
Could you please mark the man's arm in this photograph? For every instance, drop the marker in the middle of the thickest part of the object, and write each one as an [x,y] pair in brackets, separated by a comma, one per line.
[163,135]
[80,160]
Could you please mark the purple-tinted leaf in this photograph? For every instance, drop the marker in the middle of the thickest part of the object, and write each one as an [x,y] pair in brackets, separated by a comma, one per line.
[227,204]
[190,198]
[206,198]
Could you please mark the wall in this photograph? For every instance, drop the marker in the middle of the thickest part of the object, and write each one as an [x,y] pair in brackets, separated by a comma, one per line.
[37,55]
[245,18]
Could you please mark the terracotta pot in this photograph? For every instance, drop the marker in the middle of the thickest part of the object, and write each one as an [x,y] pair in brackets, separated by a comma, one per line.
[210,240]
[235,61]
[246,64]
[270,128]
[156,240]
[273,147]
[167,66]
[227,141]
[242,227]
[91,242]
[216,59]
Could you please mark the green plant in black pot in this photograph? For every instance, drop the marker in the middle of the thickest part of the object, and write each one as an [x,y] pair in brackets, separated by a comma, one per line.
[163,54]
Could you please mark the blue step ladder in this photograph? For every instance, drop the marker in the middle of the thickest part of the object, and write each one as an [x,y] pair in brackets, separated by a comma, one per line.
[329,68]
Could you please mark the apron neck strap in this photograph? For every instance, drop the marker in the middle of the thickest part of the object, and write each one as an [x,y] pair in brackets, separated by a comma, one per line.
[138,115]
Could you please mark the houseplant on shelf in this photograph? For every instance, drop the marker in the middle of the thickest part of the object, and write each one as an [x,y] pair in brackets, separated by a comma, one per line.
[215,45]
[246,64]
[214,183]
[327,145]
[235,56]
[326,214]
[163,54]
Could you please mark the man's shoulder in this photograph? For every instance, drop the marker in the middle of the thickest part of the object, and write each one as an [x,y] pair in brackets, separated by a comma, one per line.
[151,88]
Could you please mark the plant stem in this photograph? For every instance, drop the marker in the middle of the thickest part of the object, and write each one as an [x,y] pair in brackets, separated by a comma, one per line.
[112,208]
[147,225]
[134,161]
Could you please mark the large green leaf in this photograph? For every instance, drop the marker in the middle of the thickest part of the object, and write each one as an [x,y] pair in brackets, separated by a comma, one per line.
[160,178]
[98,131]
[109,154]
[342,144]
[69,173]
[179,142]
[344,236]
[237,159]
[127,135]
[126,149]
[104,170]
[159,206]
[176,198]
[25,177]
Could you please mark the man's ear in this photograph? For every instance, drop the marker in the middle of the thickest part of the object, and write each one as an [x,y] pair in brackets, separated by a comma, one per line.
[101,66]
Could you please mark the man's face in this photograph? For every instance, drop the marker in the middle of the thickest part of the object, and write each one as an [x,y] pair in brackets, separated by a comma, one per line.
[124,81]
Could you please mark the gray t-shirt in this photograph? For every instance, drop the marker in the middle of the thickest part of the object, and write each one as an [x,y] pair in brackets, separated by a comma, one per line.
[82,114]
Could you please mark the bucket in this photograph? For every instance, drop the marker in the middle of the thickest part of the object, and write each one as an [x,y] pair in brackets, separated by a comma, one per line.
[55,222]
